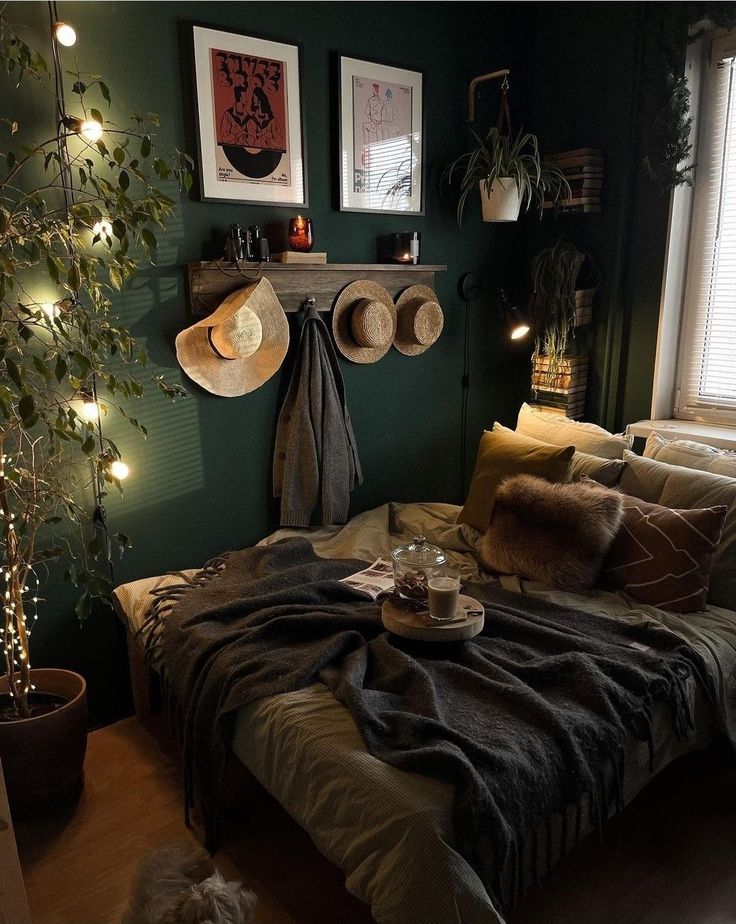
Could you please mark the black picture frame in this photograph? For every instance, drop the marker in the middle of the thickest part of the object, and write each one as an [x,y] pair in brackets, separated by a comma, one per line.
[376,200]
[213,182]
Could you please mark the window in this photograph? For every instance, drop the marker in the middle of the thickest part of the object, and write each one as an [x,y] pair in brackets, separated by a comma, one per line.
[705,383]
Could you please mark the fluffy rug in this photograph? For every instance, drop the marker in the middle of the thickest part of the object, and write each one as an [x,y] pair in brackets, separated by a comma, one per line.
[558,534]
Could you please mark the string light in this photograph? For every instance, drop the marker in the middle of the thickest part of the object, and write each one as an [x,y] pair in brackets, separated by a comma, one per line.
[103,226]
[118,469]
[65,34]
[91,130]
[51,310]
[90,408]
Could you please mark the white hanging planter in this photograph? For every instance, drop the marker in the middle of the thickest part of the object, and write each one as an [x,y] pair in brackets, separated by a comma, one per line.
[503,202]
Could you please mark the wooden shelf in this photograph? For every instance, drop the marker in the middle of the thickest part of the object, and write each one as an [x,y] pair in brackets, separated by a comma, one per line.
[294,283]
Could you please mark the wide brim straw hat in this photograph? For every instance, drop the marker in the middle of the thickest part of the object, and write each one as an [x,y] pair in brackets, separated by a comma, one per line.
[419,320]
[364,321]
[239,346]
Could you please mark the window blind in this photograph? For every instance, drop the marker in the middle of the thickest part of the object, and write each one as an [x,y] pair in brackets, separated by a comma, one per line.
[707,367]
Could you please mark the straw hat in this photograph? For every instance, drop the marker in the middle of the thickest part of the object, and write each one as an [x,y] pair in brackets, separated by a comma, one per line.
[240,345]
[419,320]
[364,321]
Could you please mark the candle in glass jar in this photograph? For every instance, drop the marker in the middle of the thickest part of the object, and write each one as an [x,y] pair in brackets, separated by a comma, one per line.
[405,247]
[301,234]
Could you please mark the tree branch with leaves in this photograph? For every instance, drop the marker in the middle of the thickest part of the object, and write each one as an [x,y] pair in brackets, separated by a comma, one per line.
[84,229]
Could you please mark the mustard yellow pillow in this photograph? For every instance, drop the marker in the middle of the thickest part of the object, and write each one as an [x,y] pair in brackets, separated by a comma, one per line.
[501,454]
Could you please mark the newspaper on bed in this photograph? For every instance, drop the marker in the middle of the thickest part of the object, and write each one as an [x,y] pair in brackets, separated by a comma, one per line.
[375,580]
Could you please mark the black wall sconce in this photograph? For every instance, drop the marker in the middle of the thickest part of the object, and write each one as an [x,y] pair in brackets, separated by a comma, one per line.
[517,324]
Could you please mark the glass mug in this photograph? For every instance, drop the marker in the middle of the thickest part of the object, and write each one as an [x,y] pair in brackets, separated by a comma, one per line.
[443,592]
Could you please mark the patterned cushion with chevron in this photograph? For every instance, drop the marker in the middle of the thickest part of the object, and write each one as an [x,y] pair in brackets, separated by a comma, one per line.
[664,557]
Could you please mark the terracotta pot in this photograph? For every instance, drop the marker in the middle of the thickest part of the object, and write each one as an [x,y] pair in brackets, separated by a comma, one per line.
[43,757]
[502,202]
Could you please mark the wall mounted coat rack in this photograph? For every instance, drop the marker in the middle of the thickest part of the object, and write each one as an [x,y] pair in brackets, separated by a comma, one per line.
[211,282]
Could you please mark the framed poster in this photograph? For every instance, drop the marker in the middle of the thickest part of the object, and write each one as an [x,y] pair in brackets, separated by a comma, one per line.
[381,138]
[250,134]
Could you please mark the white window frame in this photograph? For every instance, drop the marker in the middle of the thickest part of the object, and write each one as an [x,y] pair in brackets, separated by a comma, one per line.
[672,344]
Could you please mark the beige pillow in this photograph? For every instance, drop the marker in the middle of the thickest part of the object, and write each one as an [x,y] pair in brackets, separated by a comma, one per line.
[501,454]
[686,489]
[560,431]
[689,454]
[605,471]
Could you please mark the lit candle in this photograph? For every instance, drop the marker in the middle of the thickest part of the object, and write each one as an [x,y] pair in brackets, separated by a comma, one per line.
[301,236]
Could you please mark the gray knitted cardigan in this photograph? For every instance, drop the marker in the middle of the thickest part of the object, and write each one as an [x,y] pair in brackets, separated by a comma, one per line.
[315,459]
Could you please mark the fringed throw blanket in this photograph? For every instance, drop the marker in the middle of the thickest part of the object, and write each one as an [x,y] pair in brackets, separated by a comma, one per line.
[525,720]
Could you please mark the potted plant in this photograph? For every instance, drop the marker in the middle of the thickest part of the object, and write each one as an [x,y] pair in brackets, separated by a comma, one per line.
[507,171]
[77,214]
[564,281]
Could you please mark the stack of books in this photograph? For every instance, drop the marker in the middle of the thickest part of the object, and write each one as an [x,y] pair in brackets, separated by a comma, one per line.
[295,256]
[562,388]
[584,306]
[583,170]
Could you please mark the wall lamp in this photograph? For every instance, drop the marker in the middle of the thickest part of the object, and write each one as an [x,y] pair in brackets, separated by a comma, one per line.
[517,324]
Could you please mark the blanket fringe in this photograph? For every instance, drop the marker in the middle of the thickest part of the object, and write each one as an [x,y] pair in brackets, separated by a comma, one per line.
[164,601]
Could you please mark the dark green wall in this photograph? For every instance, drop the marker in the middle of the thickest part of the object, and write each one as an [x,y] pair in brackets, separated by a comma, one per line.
[201,482]
[583,89]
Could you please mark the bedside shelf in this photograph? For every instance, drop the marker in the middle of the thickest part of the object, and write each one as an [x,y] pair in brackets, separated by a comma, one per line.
[210,282]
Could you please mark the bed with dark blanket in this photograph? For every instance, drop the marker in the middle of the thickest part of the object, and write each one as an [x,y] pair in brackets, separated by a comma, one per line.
[528,722]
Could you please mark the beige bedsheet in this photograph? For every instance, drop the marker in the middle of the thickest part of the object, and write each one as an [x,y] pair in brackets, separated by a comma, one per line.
[391,831]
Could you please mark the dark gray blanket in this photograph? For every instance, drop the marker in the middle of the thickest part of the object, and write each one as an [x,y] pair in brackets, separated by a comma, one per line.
[525,720]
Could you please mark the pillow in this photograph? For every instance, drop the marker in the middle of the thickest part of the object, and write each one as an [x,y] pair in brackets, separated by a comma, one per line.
[604,471]
[684,488]
[558,534]
[664,557]
[502,453]
[691,455]
[561,431]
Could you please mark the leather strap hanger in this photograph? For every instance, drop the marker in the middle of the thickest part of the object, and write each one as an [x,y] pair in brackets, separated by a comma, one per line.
[504,113]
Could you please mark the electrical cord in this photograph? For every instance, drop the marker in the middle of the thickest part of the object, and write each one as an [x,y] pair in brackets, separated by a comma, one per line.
[465,384]
[99,516]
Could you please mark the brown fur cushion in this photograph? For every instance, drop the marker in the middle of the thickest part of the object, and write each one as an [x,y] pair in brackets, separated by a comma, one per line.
[558,534]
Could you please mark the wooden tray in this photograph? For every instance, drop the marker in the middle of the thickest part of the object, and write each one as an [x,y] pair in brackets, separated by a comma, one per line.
[415,624]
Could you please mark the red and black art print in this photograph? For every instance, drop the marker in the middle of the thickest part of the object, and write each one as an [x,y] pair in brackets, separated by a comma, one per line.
[251,122]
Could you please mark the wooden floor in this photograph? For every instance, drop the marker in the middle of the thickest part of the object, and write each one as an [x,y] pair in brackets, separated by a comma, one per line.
[671,858]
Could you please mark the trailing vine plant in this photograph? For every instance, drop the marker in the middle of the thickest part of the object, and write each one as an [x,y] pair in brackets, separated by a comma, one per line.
[665,109]
[555,271]
[78,214]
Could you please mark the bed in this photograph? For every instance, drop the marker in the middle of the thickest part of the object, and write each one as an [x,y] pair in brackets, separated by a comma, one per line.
[391,831]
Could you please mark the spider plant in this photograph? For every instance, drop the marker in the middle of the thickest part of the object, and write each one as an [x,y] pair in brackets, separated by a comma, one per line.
[498,156]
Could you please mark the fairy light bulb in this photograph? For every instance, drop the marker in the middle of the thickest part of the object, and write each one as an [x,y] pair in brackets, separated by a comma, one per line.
[90,410]
[51,310]
[102,227]
[91,130]
[65,34]
[119,470]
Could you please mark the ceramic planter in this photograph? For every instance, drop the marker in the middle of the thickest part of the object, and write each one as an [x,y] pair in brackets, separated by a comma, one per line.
[43,757]
[502,202]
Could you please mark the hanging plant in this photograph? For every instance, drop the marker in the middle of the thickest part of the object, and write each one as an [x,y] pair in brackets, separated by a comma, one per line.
[507,167]
[665,108]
